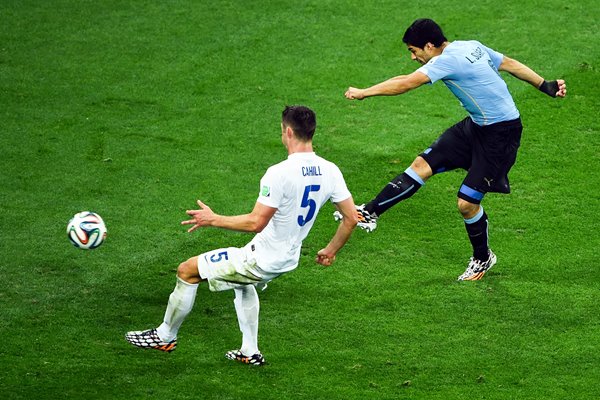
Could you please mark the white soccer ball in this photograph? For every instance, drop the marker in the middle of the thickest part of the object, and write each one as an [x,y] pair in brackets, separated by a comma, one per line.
[86,230]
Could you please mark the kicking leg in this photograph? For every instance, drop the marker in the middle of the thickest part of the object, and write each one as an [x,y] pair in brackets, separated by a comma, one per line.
[400,188]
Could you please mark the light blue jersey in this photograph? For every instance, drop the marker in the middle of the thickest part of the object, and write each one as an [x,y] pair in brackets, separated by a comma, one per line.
[470,71]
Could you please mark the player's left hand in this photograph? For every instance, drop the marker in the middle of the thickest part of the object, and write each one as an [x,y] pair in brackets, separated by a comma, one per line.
[324,259]
[557,88]
[202,217]
[562,88]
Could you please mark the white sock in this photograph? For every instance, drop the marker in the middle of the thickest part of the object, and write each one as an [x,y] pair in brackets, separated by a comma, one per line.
[247,307]
[180,304]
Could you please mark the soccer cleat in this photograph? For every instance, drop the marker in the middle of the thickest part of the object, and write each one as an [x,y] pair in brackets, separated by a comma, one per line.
[256,359]
[477,268]
[149,340]
[366,221]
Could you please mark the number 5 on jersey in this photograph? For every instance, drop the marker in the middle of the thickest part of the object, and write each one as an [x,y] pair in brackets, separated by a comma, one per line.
[308,202]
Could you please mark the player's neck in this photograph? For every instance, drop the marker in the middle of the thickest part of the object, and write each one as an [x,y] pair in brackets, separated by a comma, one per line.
[442,47]
[300,147]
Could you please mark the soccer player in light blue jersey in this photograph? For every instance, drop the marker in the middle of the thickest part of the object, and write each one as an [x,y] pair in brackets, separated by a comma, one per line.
[484,144]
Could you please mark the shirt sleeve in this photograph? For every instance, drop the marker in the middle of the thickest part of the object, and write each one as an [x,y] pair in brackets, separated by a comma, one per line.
[270,193]
[341,191]
[494,56]
[438,68]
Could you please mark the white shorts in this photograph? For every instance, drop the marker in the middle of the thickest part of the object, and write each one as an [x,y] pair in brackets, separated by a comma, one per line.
[232,267]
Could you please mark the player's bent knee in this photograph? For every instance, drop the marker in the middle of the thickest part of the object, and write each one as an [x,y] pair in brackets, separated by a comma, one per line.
[422,168]
[467,209]
[188,271]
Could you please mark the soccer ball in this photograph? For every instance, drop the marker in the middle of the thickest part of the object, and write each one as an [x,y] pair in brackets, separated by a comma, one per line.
[86,230]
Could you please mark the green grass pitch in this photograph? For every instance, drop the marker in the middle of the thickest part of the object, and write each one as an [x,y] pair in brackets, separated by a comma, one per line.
[134,109]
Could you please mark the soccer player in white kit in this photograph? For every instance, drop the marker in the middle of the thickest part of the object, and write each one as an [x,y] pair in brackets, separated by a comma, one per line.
[291,194]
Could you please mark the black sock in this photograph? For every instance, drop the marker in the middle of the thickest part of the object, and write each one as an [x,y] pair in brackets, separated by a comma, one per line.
[478,235]
[400,188]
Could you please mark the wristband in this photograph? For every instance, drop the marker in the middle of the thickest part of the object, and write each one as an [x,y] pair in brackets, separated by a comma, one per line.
[549,87]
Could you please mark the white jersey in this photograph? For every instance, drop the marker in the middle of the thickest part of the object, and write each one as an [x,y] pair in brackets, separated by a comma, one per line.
[297,188]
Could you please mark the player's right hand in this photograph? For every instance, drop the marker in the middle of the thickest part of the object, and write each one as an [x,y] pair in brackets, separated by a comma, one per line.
[354,94]
[201,217]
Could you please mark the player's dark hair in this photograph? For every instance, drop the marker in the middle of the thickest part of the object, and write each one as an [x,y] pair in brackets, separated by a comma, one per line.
[301,119]
[423,31]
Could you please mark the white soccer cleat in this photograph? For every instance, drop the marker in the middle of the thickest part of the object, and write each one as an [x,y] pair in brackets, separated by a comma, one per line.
[477,268]
[337,216]
[366,221]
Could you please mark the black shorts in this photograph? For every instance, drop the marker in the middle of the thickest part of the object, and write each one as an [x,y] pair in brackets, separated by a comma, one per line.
[486,152]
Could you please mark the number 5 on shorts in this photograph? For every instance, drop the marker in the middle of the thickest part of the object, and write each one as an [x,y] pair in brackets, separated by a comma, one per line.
[215,258]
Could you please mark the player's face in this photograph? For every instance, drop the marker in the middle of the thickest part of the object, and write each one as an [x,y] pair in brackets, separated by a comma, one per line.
[422,56]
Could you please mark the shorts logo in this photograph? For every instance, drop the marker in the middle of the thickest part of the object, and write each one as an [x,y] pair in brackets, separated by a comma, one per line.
[265,191]
[488,181]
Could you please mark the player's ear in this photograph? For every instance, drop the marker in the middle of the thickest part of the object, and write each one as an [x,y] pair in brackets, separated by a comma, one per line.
[289,132]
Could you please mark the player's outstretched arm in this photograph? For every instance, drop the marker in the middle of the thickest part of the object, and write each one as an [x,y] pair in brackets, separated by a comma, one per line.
[391,87]
[557,88]
[252,222]
[326,256]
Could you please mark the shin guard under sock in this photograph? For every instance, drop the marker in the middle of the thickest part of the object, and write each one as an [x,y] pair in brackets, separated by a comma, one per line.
[247,307]
[477,229]
[400,188]
[180,304]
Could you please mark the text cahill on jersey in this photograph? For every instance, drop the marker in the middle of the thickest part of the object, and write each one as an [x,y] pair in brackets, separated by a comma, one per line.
[311,171]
